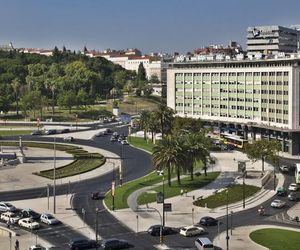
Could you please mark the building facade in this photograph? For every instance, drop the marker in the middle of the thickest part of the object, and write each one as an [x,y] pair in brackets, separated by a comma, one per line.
[272,40]
[252,98]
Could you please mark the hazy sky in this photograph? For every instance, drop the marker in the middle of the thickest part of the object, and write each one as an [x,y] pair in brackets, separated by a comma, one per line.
[150,25]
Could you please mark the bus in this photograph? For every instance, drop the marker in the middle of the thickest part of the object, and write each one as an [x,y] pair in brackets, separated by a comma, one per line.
[297,173]
[235,141]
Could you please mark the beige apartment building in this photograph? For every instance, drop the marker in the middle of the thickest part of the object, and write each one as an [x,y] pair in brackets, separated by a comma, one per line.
[251,98]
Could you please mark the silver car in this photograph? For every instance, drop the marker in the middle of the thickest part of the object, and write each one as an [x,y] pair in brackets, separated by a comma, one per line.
[7,207]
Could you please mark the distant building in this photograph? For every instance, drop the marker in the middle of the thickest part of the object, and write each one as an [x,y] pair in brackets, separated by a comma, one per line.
[272,40]
[7,47]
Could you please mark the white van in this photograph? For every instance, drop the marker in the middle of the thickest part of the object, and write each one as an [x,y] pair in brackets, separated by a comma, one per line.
[204,244]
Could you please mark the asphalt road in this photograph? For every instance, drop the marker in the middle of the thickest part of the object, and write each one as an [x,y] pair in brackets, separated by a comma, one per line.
[136,163]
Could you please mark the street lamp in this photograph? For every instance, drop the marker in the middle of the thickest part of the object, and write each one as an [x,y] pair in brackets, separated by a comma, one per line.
[54,177]
[161,240]
[96,227]
[113,185]
[227,236]
[163,189]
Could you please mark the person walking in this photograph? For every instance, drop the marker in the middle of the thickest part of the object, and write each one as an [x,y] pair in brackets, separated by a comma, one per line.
[17,247]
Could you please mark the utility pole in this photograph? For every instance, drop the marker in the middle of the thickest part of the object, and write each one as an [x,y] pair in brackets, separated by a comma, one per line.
[96,229]
[227,236]
[163,189]
[54,178]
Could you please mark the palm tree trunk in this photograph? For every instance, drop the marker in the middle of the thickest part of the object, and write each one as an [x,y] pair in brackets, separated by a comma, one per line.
[263,164]
[169,176]
[192,172]
[178,175]
[17,104]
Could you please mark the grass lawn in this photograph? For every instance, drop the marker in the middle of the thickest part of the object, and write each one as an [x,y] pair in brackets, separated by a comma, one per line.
[83,162]
[14,132]
[235,194]
[175,189]
[122,193]
[141,143]
[277,239]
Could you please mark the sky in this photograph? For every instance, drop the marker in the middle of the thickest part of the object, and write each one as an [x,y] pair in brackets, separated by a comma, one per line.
[149,25]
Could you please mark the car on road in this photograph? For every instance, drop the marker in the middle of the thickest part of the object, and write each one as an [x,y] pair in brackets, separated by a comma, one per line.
[29,223]
[112,139]
[97,196]
[208,221]
[284,168]
[155,230]
[49,219]
[281,191]
[277,203]
[37,248]
[69,138]
[191,231]
[50,132]
[293,187]
[82,244]
[29,213]
[37,132]
[10,216]
[100,133]
[114,244]
[293,196]
[204,243]
[124,142]
[6,206]
[65,130]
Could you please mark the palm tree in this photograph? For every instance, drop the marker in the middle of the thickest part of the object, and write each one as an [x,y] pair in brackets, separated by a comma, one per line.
[144,121]
[195,148]
[167,155]
[165,116]
[16,86]
[153,125]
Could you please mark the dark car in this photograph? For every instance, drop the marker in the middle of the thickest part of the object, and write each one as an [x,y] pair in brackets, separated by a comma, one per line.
[281,191]
[114,244]
[28,213]
[155,230]
[97,196]
[82,244]
[50,132]
[65,130]
[293,196]
[208,221]
[109,131]
[37,132]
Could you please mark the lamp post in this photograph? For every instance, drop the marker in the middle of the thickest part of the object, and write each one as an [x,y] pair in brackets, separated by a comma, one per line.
[54,177]
[96,228]
[163,189]
[113,185]
[244,203]
[227,236]
[161,240]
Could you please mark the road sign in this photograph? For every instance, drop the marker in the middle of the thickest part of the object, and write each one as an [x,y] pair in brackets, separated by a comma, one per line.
[168,207]
[159,197]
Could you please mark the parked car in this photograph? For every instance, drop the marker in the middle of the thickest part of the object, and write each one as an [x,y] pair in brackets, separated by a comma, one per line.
[6,206]
[108,131]
[155,230]
[293,187]
[191,231]
[82,244]
[29,223]
[50,132]
[284,168]
[37,248]
[277,204]
[112,139]
[204,244]
[29,213]
[69,138]
[37,132]
[97,196]
[124,142]
[208,221]
[281,191]
[49,219]
[100,133]
[114,244]
[10,216]
[293,196]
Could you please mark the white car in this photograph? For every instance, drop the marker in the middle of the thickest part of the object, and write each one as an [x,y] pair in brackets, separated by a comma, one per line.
[10,216]
[278,204]
[37,248]
[293,187]
[69,138]
[6,206]
[124,142]
[191,231]
[49,219]
[284,168]
[29,223]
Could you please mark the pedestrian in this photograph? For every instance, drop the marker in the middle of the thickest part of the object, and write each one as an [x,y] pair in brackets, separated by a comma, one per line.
[181,192]
[8,224]
[17,247]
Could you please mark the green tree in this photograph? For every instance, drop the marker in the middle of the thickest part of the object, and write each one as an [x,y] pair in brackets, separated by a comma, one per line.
[167,155]
[186,124]
[141,74]
[67,99]
[263,150]
[82,98]
[148,90]
[165,116]
[154,79]
[16,85]
[144,122]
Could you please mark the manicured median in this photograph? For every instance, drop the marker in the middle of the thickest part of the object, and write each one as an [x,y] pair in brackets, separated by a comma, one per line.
[14,132]
[139,142]
[83,160]
[235,194]
[277,239]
